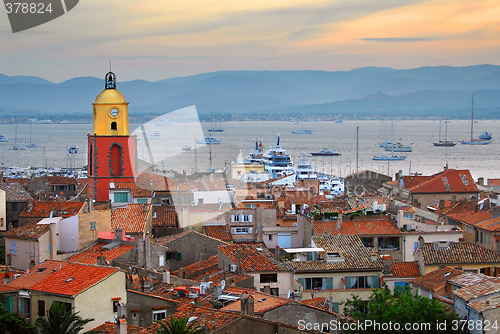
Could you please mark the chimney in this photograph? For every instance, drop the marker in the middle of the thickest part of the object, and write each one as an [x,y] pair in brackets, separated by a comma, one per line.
[101,260]
[146,284]
[166,277]
[6,279]
[30,204]
[339,221]
[122,326]
[441,204]
[250,305]
[476,208]
[121,311]
[53,241]
[330,303]
[10,228]
[182,273]
[119,234]
[480,181]
[218,291]
[421,242]
[495,211]
[486,205]
[267,289]
[277,253]
[238,261]
[244,303]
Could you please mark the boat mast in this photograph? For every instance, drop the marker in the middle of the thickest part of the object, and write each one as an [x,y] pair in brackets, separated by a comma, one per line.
[472,120]
[357,148]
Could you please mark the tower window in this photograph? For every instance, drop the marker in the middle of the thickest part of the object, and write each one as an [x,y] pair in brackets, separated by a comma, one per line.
[116,160]
[113,126]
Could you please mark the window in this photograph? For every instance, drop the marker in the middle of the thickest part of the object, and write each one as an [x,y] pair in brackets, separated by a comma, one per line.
[362,282]
[247,218]
[92,226]
[270,237]
[317,283]
[159,315]
[48,247]
[161,261]
[242,230]
[116,305]
[235,218]
[142,200]
[165,201]
[116,160]
[120,197]
[268,278]
[275,291]
[113,126]
[12,247]
[41,308]
[173,256]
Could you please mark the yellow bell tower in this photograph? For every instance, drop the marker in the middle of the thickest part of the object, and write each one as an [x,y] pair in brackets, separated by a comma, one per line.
[110,110]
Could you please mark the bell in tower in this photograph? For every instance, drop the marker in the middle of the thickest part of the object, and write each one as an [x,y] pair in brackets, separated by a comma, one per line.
[110,81]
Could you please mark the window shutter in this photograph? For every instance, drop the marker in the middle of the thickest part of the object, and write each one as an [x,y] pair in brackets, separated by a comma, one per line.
[250,218]
[347,282]
[416,245]
[303,282]
[232,218]
[178,256]
[249,230]
[336,307]
[376,282]
[329,283]
[233,230]
[323,283]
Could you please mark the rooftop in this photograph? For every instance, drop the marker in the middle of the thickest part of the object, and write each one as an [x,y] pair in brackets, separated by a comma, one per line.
[405,269]
[479,290]
[218,231]
[131,219]
[54,209]
[109,251]
[436,279]
[382,226]
[14,192]
[447,181]
[457,253]
[253,258]
[30,231]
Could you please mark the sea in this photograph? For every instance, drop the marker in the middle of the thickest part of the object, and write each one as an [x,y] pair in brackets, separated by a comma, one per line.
[174,147]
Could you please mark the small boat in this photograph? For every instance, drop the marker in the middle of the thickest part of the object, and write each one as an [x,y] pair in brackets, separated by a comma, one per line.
[472,140]
[398,147]
[208,140]
[302,131]
[215,130]
[386,144]
[156,135]
[31,144]
[3,139]
[326,153]
[384,157]
[339,121]
[485,136]
[187,148]
[255,157]
[73,149]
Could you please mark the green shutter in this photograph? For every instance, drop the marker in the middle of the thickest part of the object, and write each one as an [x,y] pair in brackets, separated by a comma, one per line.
[376,282]
[336,307]
[178,256]
[329,283]
[347,282]
[303,282]
[142,200]
[121,197]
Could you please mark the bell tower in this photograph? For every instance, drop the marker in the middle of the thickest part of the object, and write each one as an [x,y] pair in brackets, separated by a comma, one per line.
[112,151]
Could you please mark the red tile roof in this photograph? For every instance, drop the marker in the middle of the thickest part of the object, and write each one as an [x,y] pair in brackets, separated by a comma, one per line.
[214,319]
[14,192]
[58,209]
[457,253]
[382,226]
[405,269]
[31,231]
[253,258]
[219,232]
[73,278]
[132,186]
[164,216]
[262,303]
[90,255]
[492,225]
[199,267]
[37,274]
[448,181]
[436,279]
[112,328]
[485,304]
[494,182]
[131,219]
[479,290]
[60,180]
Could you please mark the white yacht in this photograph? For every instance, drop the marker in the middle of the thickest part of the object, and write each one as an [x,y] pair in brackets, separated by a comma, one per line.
[276,161]
[304,169]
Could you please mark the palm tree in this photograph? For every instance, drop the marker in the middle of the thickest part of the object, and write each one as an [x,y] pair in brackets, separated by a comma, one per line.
[179,326]
[60,320]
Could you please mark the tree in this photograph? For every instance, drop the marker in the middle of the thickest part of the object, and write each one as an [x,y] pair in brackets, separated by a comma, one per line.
[60,320]
[13,323]
[179,326]
[403,308]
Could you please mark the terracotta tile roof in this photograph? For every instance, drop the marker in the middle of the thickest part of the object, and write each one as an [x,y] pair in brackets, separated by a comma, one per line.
[165,241]
[37,274]
[90,255]
[333,206]
[448,181]
[164,216]
[436,279]
[112,328]
[357,227]
[199,267]
[218,231]
[492,225]
[350,248]
[60,180]
[214,319]
[132,186]
[15,193]
[472,217]
[263,302]
[467,279]
[405,269]
[73,278]
[31,231]
[494,182]
[366,201]
[253,258]
[58,209]
[479,290]
[412,181]
[131,219]
[318,302]
[485,304]
[457,253]
[158,182]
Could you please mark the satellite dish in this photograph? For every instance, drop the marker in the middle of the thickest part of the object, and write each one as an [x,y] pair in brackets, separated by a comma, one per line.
[289,294]
[222,284]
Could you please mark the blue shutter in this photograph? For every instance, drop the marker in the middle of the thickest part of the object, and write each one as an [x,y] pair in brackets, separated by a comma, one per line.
[336,307]
[347,282]
[376,282]
[416,245]
[303,282]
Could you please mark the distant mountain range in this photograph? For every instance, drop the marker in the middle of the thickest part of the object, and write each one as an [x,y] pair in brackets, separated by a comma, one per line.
[362,92]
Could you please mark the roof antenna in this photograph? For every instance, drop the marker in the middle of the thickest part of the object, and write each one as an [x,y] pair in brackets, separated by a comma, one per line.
[110,65]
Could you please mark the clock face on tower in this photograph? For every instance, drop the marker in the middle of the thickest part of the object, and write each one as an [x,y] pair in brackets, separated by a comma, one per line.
[114,112]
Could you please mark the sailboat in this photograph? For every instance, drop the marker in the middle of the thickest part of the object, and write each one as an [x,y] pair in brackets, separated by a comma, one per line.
[31,144]
[445,142]
[214,128]
[15,147]
[472,140]
[391,157]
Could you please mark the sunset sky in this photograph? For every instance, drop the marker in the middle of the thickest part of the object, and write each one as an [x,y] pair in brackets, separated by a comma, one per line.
[158,39]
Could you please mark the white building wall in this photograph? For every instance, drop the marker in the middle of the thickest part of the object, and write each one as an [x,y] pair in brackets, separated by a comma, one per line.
[67,230]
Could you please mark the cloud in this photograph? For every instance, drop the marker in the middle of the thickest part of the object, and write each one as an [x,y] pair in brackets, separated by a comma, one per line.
[401,39]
